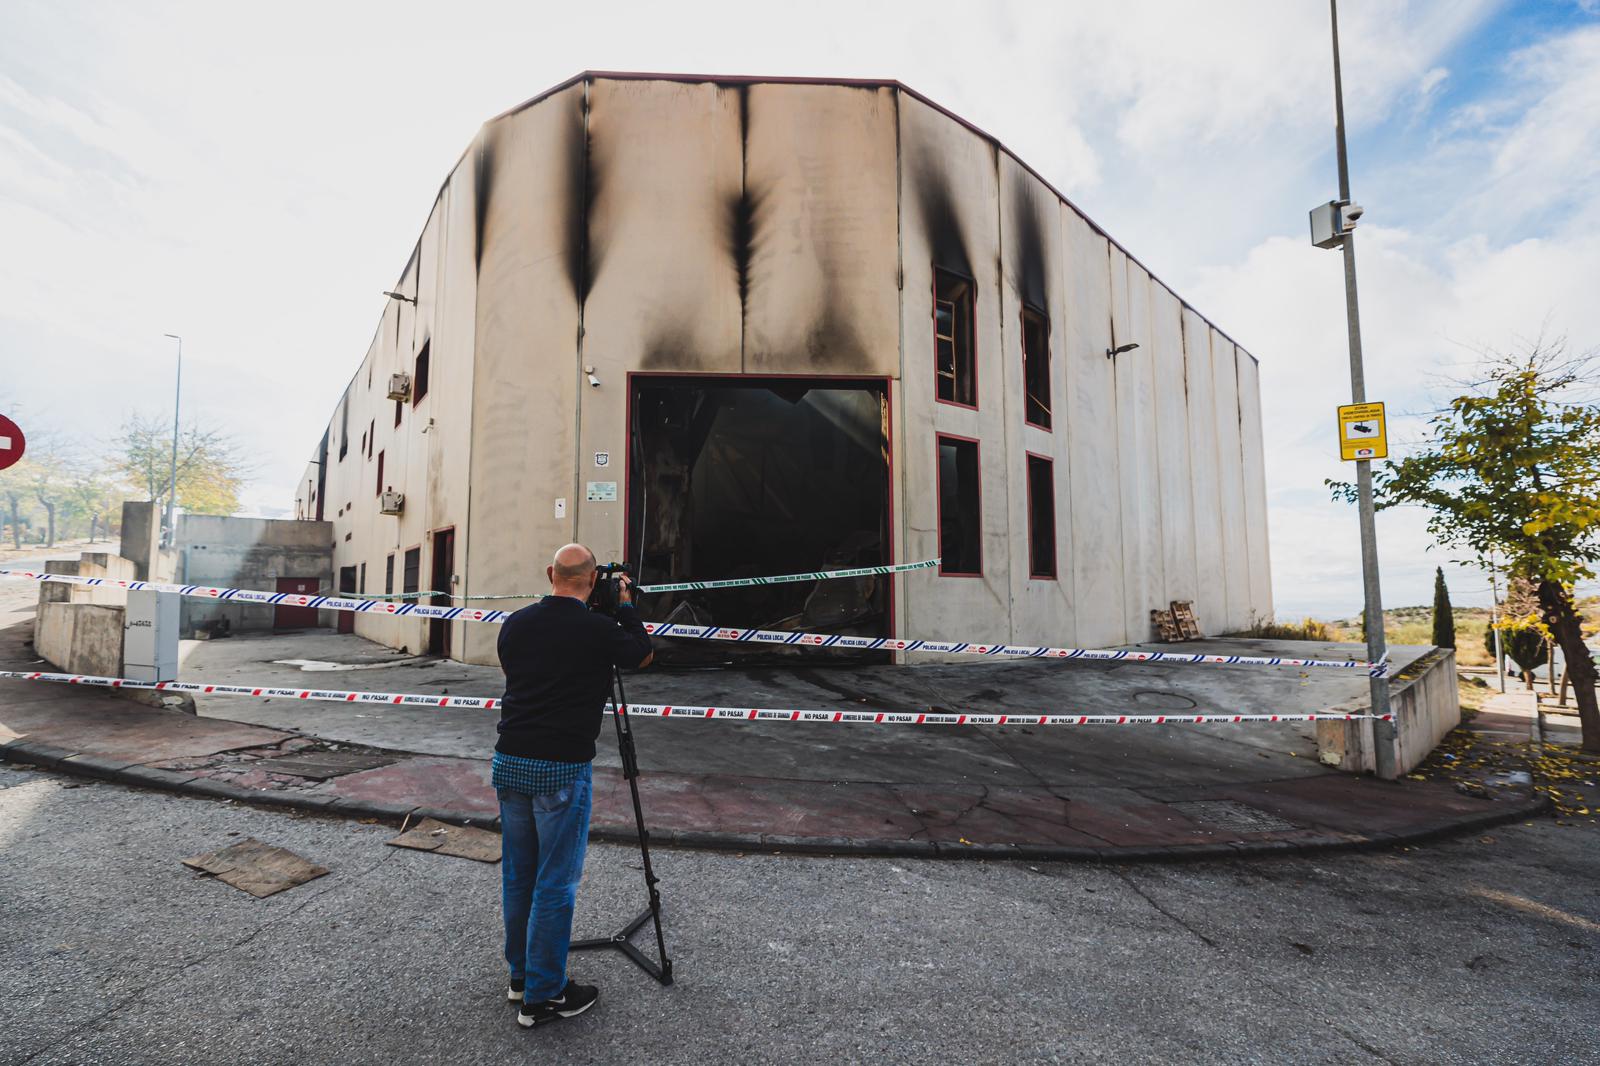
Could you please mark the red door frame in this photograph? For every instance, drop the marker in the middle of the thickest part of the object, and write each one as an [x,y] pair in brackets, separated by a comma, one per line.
[753,380]
[438,628]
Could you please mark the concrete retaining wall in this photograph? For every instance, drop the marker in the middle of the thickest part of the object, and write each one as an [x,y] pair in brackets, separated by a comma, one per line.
[249,553]
[1426,705]
[80,638]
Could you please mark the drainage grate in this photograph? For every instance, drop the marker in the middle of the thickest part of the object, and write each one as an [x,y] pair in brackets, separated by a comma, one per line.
[1233,816]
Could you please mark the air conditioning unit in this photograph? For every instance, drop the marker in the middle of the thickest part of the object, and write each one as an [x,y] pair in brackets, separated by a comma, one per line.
[391,502]
[400,386]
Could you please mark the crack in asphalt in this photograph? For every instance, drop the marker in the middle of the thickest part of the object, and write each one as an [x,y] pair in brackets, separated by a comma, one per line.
[1265,986]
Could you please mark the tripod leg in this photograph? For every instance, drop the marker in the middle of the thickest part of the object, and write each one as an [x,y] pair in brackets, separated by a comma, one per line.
[622,941]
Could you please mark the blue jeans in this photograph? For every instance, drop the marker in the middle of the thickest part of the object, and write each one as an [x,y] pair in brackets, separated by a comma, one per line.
[543,840]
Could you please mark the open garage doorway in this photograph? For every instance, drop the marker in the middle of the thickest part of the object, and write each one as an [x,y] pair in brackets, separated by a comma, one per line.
[745,477]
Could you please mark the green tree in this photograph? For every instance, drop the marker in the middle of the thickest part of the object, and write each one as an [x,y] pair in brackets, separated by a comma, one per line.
[1513,466]
[211,469]
[1444,619]
[1523,644]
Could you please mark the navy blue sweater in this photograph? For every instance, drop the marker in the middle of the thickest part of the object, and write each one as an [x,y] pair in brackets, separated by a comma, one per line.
[557,655]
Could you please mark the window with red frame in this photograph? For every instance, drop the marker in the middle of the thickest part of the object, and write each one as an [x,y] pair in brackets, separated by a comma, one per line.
[1036,368]
[1041,517]
[952,333]
[960,508]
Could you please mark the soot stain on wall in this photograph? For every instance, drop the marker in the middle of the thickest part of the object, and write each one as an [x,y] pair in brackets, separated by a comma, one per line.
[670,347]
[1030,262]
[485,176]
[582,192]
[742,213]
[941,221]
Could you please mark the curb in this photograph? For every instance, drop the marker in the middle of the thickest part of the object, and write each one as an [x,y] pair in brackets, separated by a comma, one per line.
[65,761]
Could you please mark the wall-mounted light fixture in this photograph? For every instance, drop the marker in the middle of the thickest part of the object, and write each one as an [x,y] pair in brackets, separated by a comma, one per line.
[1112,353]
[412,300]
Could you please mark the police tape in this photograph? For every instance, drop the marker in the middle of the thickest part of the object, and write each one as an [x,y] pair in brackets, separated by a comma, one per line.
[660,710]
[784,638]
[697,586]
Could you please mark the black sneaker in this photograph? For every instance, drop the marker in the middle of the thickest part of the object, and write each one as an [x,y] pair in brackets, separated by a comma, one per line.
[573,1000]
[514,993]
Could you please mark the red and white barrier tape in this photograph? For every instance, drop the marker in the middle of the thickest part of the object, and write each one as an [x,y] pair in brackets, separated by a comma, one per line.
[723,633]
[657,710]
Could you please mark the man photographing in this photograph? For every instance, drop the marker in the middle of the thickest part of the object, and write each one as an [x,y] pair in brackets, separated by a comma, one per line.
[558,656]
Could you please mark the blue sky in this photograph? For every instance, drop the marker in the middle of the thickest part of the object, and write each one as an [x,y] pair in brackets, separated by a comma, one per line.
[253,177]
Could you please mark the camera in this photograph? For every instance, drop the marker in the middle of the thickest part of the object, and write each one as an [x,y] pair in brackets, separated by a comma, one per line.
[607,590]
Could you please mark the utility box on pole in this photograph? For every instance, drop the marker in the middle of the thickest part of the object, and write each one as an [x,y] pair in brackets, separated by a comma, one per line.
[1332,221]
[150,637]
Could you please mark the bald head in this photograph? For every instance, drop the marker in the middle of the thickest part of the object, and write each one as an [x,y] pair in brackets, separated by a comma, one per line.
[572,572]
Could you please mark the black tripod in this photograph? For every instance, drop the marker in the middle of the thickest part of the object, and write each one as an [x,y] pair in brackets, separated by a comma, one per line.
[621,941]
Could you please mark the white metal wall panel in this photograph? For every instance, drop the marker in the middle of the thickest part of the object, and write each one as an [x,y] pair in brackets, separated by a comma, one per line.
[1097,534]
[1033,264]
[1211,603]
[950,217]
[1255,486]
[820,178]
[1230,484]
[1174,477]
[1134,373]
[524,403]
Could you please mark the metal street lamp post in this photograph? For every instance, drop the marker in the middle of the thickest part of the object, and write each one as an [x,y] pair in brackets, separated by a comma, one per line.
[172,485]
[1344,215]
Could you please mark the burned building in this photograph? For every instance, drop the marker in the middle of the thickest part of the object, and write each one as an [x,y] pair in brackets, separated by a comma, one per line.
[719,327]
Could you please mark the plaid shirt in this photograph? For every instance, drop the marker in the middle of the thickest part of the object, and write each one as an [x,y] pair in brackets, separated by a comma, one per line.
[534,777]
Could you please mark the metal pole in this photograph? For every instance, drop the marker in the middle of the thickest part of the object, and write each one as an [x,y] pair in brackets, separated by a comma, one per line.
[172,485]
[1377,645]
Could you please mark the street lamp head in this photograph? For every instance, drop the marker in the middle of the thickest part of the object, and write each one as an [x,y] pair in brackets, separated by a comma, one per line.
[174,336]
[1112,353]
[400,296]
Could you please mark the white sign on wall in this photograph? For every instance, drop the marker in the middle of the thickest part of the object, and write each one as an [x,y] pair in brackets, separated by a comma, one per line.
[602,492]
[602,458]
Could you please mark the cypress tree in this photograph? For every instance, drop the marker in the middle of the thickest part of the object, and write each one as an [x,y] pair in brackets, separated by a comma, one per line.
[1444,620]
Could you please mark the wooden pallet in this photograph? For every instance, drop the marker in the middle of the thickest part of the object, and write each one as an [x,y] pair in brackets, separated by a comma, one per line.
[1176,624]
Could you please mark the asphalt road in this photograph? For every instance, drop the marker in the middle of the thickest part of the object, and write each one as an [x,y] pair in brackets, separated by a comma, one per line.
[1474,951]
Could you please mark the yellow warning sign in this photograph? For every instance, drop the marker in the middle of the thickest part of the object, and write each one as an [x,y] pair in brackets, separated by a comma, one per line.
[1362,434]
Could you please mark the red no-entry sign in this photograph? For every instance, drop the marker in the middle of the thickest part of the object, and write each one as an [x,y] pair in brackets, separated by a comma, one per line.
[12,443]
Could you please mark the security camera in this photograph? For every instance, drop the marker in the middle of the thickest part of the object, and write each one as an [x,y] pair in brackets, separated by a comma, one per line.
[1351,212]
[594,382]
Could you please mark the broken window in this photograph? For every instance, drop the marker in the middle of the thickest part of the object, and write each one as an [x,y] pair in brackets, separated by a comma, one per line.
[379,492]
[419,386]
[742,477]
[388,576]
[413,569]
[1036,368]
[960,506]
[1041,517]
[952,331]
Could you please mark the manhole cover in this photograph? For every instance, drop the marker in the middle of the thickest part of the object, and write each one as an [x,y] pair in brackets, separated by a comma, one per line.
[1232,816]
[1164,701]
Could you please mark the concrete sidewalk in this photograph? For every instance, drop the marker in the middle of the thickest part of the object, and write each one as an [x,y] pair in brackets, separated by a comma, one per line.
[1061,792]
